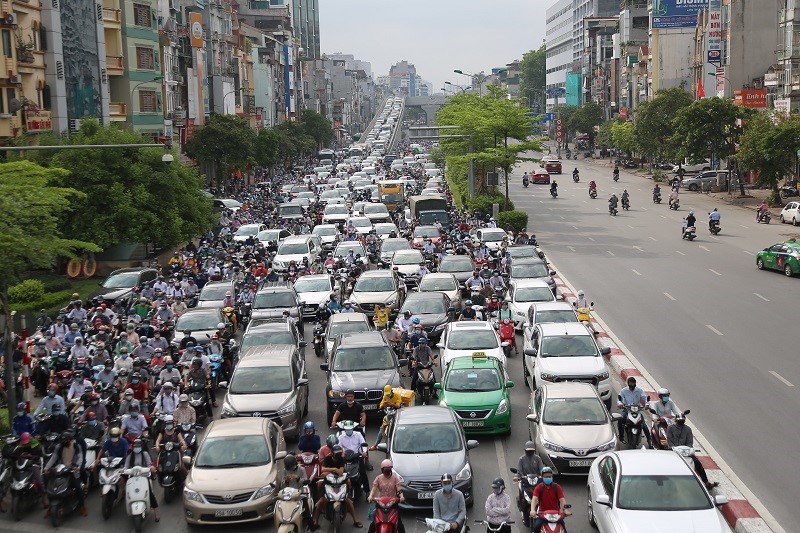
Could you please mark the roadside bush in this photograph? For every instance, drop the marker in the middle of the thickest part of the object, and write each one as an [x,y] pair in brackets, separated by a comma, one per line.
[659,176]
[518,220]
[774,199]
[483,203]
[30,290]
[57,285]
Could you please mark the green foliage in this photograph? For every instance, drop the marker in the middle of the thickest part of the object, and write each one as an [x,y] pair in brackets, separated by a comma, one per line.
[51,302]
[769,148]
[456,175]
[29,290]
[317,127]
[266,147]
[436,155]
[532,76]
[224,140]
[518,220]
[709,127]
[659,176]
[585,118]
[482,203]
[654,127]
[623,137]
[293,142]
[604,136]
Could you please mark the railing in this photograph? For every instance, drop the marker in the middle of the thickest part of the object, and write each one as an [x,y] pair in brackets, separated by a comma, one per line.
[115,63]
[111,15]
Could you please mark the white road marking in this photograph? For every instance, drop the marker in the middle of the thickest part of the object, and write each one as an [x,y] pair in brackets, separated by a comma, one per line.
[758,295]
[715,330]
[715,237]
[574,227]
[561,217]
[571,248]
[780,378]
[609,252]
[638,248]
[742,225]
[679,252]
[668,295]
[704,248]
[586,201]
[631,226]
[714,271]
[748,252]
[652,238]
[636,272]
[590,239]
[644,209]
[662,216]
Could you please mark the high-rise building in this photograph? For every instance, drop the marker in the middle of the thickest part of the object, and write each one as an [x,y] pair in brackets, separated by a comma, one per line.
[403,78]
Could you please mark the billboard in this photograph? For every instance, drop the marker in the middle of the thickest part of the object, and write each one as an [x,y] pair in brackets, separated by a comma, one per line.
[676,13]
[714,34]
[756,99]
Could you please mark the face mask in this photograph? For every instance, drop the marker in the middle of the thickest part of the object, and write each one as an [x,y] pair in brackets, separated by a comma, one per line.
[680,422]
[124,355]
[547,480]
[51,393]
[95,402]
[93,423]
[631,387]
[387,472]
[497,490]
[349,402]
[108,369]
[529,453]
[20,413]
[665,399]
[134,381]
[169,367]
[137,450]
[348,432]
[169,427]
[447,488]
[114,439]
[134,414]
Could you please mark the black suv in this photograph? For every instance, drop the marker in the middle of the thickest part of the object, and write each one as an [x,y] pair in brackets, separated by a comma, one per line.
[120,283]
[365,363]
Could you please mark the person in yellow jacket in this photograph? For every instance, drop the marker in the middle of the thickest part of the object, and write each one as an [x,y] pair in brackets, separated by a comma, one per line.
[382,316]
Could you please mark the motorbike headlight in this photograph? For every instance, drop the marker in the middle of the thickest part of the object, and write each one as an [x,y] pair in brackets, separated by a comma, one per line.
[465,473]
[602,376]
[552,446]
[289,409]
[193,496]
[608,446]
[391,302]
[502,407]
[547,377]
[227,410]
[263,492]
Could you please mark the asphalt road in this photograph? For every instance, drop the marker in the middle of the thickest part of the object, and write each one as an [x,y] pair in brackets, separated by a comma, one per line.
[698,315]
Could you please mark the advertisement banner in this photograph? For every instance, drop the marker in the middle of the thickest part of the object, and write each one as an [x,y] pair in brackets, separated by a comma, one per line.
[714,33]
[196,29]
[38,121]
[757,99]
[782,105]
[676,13]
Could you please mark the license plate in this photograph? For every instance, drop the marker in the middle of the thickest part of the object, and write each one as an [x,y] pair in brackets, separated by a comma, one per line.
[370,407]
[425,495]
[472,423]
[226,513]
[581,462]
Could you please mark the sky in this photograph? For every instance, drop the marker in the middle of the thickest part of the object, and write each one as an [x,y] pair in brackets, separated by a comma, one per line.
[437,36]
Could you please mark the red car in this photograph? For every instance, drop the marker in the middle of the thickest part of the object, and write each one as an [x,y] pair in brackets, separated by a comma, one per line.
[540,176]
[553,166]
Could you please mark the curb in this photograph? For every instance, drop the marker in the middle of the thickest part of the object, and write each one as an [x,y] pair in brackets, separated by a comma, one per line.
[743,512]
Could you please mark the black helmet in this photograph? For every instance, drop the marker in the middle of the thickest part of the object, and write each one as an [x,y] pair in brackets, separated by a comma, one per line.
[498,483]
[290,462]
[197,362]
[447,477]
[108,362]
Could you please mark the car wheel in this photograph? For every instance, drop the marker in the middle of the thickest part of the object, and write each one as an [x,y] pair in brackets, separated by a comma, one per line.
[693,187]
[782,220]
[760,263]
[590,508]
[525,375]
[794,221]
[787,269]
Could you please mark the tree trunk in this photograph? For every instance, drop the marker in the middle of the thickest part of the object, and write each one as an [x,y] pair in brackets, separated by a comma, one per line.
[11,389]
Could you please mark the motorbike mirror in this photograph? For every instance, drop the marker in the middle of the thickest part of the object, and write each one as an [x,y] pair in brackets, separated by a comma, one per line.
[303,344]
[324,366]
[471,444]
[302,382]
[552,272]
[533,417]
[686,412]
[509,384]
[720,499]
[616,416]
[605,351]
[603,499]
[402,362]
[382,447]
[187,460]
[223,384]
[437,386]
[512,470]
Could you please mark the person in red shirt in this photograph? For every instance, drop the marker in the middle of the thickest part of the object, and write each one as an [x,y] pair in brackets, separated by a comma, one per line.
[140,391]
[260,270]
[548,496]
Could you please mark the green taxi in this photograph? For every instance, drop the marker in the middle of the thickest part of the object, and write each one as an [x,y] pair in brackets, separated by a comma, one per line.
[784,256]
[477,390]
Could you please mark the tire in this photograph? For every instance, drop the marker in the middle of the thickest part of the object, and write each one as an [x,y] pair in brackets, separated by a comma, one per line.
[138,522]
[526,376]
[16,508]
[693,187]
[56,515]
[426,396]
[337,519]
[760,264]
[782,220]
[108,504]
[590,509]
[169,492]
[794,221]
[787,269]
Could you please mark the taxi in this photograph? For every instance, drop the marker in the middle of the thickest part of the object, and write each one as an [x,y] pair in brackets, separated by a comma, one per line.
[784,256]
[477,391]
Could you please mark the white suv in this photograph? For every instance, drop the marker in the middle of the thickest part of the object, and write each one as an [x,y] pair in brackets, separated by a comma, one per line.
[566,352]
[467,337]
[295,248]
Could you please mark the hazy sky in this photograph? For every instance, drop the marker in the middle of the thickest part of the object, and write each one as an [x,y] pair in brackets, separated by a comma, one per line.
[437,36]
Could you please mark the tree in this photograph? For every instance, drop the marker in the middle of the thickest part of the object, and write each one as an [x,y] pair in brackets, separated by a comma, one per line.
[225,142]
[769,149]
[622,136]
[532,77]
[710,127]
[317,126]
[266,147]
[294,142]
[30,232]
[654,126]
[585,118]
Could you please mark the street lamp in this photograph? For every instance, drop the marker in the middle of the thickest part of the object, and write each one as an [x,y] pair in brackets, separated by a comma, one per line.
[481,79]
[462,89]
[723,77]
[133,90]
[224,103]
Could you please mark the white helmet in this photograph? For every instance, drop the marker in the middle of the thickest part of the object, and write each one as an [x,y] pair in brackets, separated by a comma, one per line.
[221,325]
[663,391]
[581,294]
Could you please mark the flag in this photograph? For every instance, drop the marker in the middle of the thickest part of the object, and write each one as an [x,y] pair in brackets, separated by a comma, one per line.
[700,92]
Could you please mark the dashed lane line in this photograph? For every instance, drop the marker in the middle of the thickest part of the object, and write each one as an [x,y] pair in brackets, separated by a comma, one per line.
[668,295]
[782,379]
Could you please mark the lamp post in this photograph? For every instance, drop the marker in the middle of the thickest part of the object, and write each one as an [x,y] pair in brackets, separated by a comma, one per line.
[133,90]
[481,79]
[723,77]
[224,103]
[462,89]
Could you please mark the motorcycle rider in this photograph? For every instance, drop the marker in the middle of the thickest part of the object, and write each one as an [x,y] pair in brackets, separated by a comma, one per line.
[422,354]
[673,196]
[631,395]
[95,408]
[689,221]
[762,210]
[504,312]
[29,448]
[422,271]
[476,282]
[529,463]
[50,401]
[525,178]
[184,413]
[713,218]
[679,434]
[134,423]
[625,198]
[468,313]
[616,172]
[656,191]
[167,399]
[554,187]
[387,485]
[354,441]
[665,408]
[592,186]
[575,173]
[309,441]
[496,281]
[334,464]
[170,434]
[498,507]
[612,202]
[139,456]
[548,496]
[295,476]
[449,504]
[68,453]
[22,422]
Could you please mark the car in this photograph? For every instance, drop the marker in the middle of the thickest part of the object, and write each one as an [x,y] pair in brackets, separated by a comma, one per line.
[221,204]
[344,323]
[314,290]
[692,167]
[272,235]
[213,292]
[791,213]
[545,312]
[467,337]
[783,256]
[389,247]
[335,214]
[295,248]
[532,268]
[343,249]
[269,381]
[631,490]
[421,233]
[270,331]
[492,237]
[444,283]
[246,231]
[566,352]
[425,442]
[539,177]
[234,475]
[376,212]
[273,299]
[120,284]
[201,322]
[329,234]
[406,261]
[477,390]
[363,225]
[524,293]
[570,426]
[552,166]
[362,362]
[291,211]
[460,266]
[384,229]
[705,180]
[433,309]
[378,287]
[524,251]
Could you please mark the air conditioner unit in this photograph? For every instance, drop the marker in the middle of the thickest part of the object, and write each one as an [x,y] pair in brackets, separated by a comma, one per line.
[181,80]
[16,78]
[10,18]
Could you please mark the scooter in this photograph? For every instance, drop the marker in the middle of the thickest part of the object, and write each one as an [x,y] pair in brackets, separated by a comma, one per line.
[319,340]
[110,472]
[592,193]
[674,204]
[552,520]
[169,465]
[525,486]
[387,515]
[336,500]
[612,210]
[634,422]
[289,509]
[616,176]
[352,467]
[525,182]
[62,497]
[493,529]
[657,198]
[689,232]
[425,381]
[576,177]
[714,227]
[554,193]
[507,336]
[658,431]
[764,217]
[92,447]
[436,525]
[309,462]
[626,204]
[24,492]
[189,432]
[137,495]
[6,465]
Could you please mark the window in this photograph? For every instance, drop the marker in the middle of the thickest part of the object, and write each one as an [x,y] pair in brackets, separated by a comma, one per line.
[147,101]
[608,475]
[7,48]
[145,58]
[141,15]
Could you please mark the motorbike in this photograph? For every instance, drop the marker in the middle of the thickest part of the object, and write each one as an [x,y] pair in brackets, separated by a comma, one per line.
[436,525]
[352,467]
[633,424]
[764,217]
[626,204]
[189,432]
[215,362]
[198,399]
[493,529]
[714,227]
[585,317]
[109,397]
[612,210]
[554,193]
[674,204]
[525,486]
[576,177]
[689,232]
[25,493]
[289,509]
[656,197]
[62,497]
[508,338]
[387,515]
[552,521]
[525,182]
[592,193]
[110,472]
[336,500]
[11,442]
[92,447]
[616,176]
[319,340]
[658,431]
[788,192]
[137,495]
[309,462]
[169,465]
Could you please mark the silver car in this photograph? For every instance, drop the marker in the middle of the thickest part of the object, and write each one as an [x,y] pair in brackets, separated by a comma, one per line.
[344,323]
[378,287]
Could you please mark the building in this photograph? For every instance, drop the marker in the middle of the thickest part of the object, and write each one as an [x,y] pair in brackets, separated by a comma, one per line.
[634,26]
[403,79]
[600,64]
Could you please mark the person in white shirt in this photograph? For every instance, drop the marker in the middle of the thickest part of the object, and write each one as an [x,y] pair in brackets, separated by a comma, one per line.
[405,322]
[167,399]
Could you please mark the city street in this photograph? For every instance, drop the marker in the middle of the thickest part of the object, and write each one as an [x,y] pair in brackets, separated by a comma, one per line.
[698,316]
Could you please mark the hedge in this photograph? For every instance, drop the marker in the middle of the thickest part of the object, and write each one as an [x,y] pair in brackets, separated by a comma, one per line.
[483,203]
[518,220]
[28,291]
[52,302]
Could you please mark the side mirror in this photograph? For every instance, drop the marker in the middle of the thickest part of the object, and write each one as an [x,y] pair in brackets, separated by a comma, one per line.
[513,470]
[509,384]
[450,309]
[302,382]
[402,362]
[720,499]
[591,304]
[603,499]
[531,353]
[439,345]
[187,460]
[686,412]
[533,417]
[382,447]
[303,344]
[223,384]
[437,386]
[324,366]
[552,272]
[616,416]
[605,351]
[472,444]
[280,455]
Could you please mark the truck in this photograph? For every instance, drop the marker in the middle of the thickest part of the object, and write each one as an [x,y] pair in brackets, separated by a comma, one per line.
[425,210]
[391,193]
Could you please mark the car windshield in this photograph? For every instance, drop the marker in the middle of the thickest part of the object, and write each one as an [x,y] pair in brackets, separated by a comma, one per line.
[360,222]
[291,210]
[247,230]
[236,451]
[269,235]
[253,339]
[429,284]
[331,194]
[337,328]
[456,264]
[261,380]
[305,284]
[555,316]
[336,210]
[214,292]
[375,208]
[533,294]
[493,236]
[293,248]
[323,231]
[367,358]
[266,300]
[426,438]
[121,281]
[385,228]
[230,203]
[424,306]
[472,340]
[426,232]
[198,321]
[574,412]
[393,246]
[407,258]
[344,249]
[568,346]
[662,493]
[392,197]
[534,270]
[374,284]
[472,380]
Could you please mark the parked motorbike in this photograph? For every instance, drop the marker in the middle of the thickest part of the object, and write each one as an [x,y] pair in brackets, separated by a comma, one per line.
[525,486]
[62,497]
[658,431]
[634,424]
[289,509]
[137,495]
[788,192]
[25,493]
[689,232]
[169,465]
[110,472]
[714,227]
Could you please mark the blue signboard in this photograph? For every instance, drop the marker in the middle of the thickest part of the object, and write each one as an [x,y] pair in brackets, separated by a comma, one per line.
[676,13]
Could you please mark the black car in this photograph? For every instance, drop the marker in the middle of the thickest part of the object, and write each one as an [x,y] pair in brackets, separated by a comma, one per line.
[433,309]
[362,362]
[120,283]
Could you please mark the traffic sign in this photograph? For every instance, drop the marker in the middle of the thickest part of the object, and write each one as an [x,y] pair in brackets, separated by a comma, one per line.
[559,138]
[558,123]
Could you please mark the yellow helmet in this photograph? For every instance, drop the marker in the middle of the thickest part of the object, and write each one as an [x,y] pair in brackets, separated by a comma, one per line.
[387,389]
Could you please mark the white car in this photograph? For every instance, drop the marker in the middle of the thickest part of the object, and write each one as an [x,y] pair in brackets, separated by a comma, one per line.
[376,213]
[406,261]
[524,293]
[491,237]
[314,290]
[362,224]
[247,230]
[384,229]
[328,234]
[791,213]
[295,248]
[650,490]
[466,337]
[692,167]
[272,235]
[335,214]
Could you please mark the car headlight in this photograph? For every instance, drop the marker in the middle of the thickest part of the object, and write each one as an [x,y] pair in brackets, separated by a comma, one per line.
[289,409]
[465,473]
[391,302]
[608,446]
[502,407]
[277,264]
[602,376]
[336,393]
[552,446]
[227,410]
[442,403]
[193,496]
[547,377]
[264,491]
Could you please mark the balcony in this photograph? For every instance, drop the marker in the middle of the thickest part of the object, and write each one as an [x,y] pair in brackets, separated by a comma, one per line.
[117,111]
[29,61]
[112,18]
[115,66]
[9,125]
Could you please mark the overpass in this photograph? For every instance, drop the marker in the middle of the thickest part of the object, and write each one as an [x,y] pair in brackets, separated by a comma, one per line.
[429,105]
[429,133]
